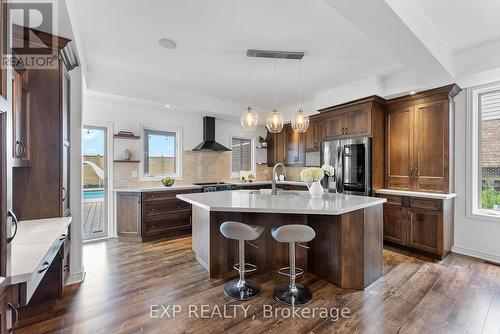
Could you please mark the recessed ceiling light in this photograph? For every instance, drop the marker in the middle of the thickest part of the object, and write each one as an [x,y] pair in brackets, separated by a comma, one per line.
[167,106]
[167,43]
[413,92]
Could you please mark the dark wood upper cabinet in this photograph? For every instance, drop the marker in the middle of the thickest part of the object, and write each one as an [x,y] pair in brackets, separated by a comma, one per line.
[418,142]
[276,151]
[20,119]
[313,137]
[295,153]
[431,146]
[3,48]
[399,143]
[334,125]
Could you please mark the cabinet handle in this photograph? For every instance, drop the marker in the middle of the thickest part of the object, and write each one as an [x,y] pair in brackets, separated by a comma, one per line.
[416,171]
[47,265]
[18,149]
[411,171]
[23,149]
[63,236]
[16,314]
[65,193]
[15,221]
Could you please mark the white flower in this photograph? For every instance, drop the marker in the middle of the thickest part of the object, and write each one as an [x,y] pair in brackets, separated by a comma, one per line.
[312,174]
[328,170]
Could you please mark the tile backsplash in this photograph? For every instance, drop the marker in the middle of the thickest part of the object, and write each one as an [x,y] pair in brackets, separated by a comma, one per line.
[196,167]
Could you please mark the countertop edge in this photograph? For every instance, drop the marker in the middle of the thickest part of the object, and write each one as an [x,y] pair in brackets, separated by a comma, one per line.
[26,277]
[415,194]
[283,211]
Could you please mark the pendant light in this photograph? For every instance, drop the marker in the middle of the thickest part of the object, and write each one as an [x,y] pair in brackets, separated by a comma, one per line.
[274,121]
[250,118]
[300,121]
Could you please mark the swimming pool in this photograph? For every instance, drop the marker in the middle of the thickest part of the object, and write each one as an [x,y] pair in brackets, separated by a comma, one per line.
[93,194]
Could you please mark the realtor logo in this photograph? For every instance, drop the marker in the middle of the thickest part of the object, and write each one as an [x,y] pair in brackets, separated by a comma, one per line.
[32,30]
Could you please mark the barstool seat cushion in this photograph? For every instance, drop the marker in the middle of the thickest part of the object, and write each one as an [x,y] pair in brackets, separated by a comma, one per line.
[293,233]
[240,231]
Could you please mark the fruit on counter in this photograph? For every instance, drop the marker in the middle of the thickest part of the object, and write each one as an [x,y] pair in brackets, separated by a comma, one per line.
[168,181]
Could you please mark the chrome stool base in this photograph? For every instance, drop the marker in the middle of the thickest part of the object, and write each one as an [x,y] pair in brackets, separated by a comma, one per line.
[249,290]
[302,296]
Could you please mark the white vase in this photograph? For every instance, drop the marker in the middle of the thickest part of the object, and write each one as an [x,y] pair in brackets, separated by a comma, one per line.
[315,189]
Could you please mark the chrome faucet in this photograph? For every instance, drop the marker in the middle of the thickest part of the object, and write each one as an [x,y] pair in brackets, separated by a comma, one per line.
[274,191]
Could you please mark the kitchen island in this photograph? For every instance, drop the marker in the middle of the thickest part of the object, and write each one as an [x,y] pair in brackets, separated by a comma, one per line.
[347,250]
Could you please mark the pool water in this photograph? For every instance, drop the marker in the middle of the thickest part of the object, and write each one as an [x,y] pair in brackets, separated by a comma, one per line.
[93,194]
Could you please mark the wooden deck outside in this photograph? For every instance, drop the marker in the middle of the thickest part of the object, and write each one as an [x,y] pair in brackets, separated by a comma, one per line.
[93,217]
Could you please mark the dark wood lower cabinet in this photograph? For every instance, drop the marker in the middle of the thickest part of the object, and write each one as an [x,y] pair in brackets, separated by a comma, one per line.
[149,215]
[419,223]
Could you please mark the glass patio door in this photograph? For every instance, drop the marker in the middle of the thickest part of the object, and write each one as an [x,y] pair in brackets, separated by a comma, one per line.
[95,182]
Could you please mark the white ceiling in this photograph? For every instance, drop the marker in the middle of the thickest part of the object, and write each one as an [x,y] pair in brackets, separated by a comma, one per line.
[465,23]
[402,46]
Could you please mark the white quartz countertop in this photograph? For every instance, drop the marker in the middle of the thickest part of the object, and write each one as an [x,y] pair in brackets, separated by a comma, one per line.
[32,244]
[193,186]
[298,202]
[415,194]
[157,188]
[256,183]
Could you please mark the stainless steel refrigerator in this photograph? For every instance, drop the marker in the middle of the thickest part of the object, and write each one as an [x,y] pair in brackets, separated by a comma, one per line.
[351,159]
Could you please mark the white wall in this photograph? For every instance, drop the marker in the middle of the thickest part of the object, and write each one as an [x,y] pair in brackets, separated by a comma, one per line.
[129,114]
[472,237]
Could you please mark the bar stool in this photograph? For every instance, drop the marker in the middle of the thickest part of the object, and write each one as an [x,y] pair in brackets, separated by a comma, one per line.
[293,293]
[242,288]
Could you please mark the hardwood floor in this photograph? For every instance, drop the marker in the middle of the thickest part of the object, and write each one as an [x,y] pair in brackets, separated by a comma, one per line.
[415,295]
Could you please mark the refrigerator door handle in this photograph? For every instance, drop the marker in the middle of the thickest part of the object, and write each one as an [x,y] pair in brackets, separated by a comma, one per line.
[339,169]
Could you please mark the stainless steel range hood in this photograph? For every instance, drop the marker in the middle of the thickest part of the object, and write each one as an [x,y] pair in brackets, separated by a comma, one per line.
[209,143]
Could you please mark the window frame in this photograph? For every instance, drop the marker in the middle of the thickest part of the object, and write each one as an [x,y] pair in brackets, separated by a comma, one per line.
[252,154]
[473,149]
[178,152]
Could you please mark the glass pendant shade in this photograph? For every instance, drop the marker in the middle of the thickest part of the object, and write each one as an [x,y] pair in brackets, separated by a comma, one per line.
[300,121]
[274,121]
[249,119]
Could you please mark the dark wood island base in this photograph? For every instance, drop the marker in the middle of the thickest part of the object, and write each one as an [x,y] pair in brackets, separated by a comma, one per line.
[347,250]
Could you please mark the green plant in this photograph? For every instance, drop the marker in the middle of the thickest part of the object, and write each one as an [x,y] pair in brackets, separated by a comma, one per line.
[489,198]
[262,140]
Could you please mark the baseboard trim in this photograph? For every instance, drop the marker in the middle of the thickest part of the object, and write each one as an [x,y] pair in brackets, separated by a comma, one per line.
[76,278]
[477,254]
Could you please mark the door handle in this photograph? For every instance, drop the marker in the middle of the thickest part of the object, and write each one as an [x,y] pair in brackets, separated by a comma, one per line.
[15,222]
[63,236]
[65,193]
[16,313]
[416,172]
[47,265]
[19,150]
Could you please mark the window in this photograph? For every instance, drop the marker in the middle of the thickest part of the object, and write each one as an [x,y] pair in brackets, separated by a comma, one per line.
[161,154]
[241,155]
[484,120]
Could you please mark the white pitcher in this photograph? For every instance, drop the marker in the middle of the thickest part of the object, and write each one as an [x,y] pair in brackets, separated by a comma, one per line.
[315,189]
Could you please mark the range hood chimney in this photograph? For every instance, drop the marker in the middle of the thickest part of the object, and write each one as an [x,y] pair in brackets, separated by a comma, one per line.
[209,143]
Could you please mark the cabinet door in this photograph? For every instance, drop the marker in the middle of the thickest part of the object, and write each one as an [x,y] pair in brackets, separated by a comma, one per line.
[399,123]
[395,225]
[312,138]
[275,148]
[424,230]
[431,146]
[20,120]
[128,210]
[358,122]
[294,147]
[335,126]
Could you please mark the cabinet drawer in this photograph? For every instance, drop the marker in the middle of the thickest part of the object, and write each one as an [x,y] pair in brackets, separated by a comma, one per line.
[164,206]
[159,195]
[427,204]
[165,222]
[392,199]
